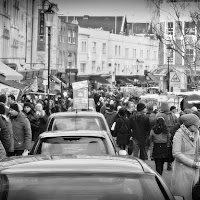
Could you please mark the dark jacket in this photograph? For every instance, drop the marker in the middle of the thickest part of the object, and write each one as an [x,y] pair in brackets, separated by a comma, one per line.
[21,131]
[122,139]
[140,126]
[4,139]
[110,116]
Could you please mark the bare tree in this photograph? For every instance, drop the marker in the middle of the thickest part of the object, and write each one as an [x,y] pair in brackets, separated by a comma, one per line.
[185,40]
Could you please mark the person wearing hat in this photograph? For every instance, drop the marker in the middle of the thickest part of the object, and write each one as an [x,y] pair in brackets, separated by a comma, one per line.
[21,131]
[140,129]
[31,115]
[186,142]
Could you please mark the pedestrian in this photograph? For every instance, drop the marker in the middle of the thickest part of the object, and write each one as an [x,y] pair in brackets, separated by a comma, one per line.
[159,135]
[33,119]
[186,170]
[171,122]
[140,129]
[110,115]
[8,125]
[122,129]
[21,131]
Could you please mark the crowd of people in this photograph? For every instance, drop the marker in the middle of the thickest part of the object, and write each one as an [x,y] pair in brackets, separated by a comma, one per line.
[154,133]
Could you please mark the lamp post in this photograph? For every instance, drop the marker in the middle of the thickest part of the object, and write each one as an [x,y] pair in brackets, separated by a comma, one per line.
[169,55]
[49,22]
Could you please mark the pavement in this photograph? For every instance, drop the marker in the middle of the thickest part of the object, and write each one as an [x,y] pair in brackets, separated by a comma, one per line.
[166,174]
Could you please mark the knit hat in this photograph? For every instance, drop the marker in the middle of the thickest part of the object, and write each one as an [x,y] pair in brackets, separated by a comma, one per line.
[28,104]
[190,119]
[2,108]
[140,107]
[15,107]
[164,107]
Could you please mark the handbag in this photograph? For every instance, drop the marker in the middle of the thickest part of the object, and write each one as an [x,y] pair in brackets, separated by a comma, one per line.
[196,187]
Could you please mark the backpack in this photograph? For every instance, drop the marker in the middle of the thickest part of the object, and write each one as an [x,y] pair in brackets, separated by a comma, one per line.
[123,129]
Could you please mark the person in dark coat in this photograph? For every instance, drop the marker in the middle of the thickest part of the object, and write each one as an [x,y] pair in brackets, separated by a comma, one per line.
[122,138]
[21,131]
[140,127]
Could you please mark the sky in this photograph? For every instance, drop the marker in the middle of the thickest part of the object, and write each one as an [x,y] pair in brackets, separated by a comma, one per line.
[136,9]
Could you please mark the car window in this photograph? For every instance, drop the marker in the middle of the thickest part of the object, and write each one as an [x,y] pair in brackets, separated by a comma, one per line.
[85,187]
[72,145]
[77,123]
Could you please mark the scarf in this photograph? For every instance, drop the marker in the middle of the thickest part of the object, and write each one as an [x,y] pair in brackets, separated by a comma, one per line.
[190,134]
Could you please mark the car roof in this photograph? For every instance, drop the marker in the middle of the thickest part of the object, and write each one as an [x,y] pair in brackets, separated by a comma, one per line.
[78,113]
[76,163]
[90,133]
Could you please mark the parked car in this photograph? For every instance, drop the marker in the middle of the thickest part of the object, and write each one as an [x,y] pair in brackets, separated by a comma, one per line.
[80,177]
[74,142]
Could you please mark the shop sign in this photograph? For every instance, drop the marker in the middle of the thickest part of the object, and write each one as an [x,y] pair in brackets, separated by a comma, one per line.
[4,89]
[80,95]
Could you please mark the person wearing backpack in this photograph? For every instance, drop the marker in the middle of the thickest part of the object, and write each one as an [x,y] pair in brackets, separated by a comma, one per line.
[171,121]
[122,129]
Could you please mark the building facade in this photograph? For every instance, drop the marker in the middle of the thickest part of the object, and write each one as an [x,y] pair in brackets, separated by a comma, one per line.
[103,53]
[178,29]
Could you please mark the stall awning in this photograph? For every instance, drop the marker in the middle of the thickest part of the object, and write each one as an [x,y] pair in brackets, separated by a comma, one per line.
[57,80]
[9,73]
[153,78]
[29,82]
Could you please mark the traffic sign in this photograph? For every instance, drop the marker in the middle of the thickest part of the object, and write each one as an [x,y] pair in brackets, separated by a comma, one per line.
[175,78]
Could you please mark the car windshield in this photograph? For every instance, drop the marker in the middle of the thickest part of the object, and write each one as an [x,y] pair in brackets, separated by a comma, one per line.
[72,145]
[82,186]
[67,123]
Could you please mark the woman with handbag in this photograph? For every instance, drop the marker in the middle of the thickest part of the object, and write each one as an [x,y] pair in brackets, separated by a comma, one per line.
[185,145]
[159,136]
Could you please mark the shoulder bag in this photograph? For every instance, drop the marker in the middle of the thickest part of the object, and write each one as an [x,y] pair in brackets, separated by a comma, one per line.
[196,187]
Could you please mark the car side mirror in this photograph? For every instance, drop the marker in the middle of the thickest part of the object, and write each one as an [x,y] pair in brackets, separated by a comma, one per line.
[178,198]
[122,153]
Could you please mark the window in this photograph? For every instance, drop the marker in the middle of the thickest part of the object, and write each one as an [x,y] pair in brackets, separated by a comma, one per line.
[126,52]
[5,6]
[134,53]
[189,55]
[141,53]
[83,67]
[103,66]
[118,68]
[63,35]
[74,37]
[154,55]
[148,54]
[189,28]
[115,49]
[69,36]
[16,11]
[83,46]
[60,35]
[119,50]
[93,66]
[94,47]
[104,48]
[170,28]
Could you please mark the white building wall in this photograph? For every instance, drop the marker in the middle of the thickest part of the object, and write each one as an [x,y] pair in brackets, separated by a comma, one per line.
[119,63]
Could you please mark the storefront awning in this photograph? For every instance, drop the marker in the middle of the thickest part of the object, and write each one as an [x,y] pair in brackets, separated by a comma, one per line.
[153,78]
[9,73]
[124,79]
[57,80]
[99,79]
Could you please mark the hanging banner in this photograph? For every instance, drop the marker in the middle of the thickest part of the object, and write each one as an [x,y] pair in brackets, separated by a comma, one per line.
[80,95]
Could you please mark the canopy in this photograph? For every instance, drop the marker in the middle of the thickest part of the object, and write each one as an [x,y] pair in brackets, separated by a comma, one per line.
[9,73]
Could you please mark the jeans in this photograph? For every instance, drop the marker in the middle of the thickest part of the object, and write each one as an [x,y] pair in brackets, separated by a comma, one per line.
[159,164]
[139,149]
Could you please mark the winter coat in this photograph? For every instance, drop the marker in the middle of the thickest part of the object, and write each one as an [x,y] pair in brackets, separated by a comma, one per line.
[140,126]
[110,116]
[10,131]
[122,139]
[5,141]
[184,175]
[21,131]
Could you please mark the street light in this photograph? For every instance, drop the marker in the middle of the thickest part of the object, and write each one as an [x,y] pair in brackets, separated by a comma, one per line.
[169,55]
[49,23]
